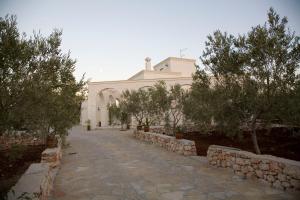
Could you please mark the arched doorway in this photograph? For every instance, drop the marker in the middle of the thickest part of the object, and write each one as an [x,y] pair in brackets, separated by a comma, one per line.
[106,97]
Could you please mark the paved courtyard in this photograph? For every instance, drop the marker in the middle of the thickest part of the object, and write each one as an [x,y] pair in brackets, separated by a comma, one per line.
[110,164]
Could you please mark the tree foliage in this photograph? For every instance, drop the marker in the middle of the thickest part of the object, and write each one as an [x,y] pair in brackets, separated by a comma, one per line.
[159,102]
[134,103]
[156,104]
[177,98]
[118,113]
[38,89]
[248,80]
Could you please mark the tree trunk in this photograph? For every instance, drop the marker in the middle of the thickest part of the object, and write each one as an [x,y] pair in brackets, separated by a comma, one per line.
[254,140]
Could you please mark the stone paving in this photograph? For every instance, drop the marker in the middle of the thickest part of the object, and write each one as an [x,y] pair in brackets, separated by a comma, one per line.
[110,164]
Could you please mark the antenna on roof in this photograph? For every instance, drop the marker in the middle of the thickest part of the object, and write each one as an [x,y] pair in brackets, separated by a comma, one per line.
[180,52]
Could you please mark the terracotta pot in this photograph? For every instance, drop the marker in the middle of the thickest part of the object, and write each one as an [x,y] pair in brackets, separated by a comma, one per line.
[139,127]
[179,136]
[146,128]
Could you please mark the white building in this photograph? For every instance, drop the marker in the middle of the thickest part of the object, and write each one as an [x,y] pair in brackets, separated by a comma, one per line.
[171,70]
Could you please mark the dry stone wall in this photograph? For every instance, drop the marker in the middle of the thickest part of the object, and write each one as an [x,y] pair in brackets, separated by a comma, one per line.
[274,171]
[182,146]
[7,140]
[160,130]
[53,155]
[169,131]
[37,182]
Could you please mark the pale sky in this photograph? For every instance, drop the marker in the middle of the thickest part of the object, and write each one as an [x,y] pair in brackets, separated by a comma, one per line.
[110,39]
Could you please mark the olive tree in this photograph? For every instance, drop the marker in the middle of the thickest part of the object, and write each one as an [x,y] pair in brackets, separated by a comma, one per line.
[247,79]
[38,91]
[134,102]
[147,105]
[177,97]
[118,113]
[158,102]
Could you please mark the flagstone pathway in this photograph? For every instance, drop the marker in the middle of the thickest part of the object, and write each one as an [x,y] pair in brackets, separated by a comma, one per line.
[110,164]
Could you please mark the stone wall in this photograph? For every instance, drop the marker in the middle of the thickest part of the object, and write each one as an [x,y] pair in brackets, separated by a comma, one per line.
[160,130]
[274,171]
[37,182]
[183,147]
[7,140]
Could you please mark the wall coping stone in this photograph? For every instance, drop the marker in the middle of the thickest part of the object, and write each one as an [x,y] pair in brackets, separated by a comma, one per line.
[31,181]
[36,168]
[50,151]
[37,181]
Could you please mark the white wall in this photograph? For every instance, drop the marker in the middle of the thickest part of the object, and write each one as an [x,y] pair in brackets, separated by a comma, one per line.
[84,112]
[117,87]
[185,66]
[178,70]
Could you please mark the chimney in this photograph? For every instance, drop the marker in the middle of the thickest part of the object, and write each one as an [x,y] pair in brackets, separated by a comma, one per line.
[148,64]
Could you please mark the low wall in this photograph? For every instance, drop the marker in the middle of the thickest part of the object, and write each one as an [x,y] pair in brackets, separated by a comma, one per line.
[162,129]
[7,140]
[183,147]
[37,182]
[274,171]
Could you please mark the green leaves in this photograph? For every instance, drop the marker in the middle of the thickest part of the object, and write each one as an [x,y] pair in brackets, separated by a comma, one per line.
[249,77]
[38,90]
[156,104]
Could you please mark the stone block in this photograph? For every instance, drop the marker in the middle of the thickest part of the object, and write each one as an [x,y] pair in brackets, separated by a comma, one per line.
[240,174]
[243,155]
[247,162]
[250,169]
[236,167]
[223,163]
[255,166]
[265,161]
[228,164]
[293,171]
[295,184]
[187,147]
[250,175]
[244,169]
[232,159]
[281,177]
[285,184]
[213,162]
[240,161]
[271,178]
[274,167]
[36,182]
[272,173]
[264,166]
[255,161]
[277,184]
[259,173]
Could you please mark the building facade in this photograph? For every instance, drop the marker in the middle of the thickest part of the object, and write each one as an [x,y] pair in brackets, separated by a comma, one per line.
[171,70]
